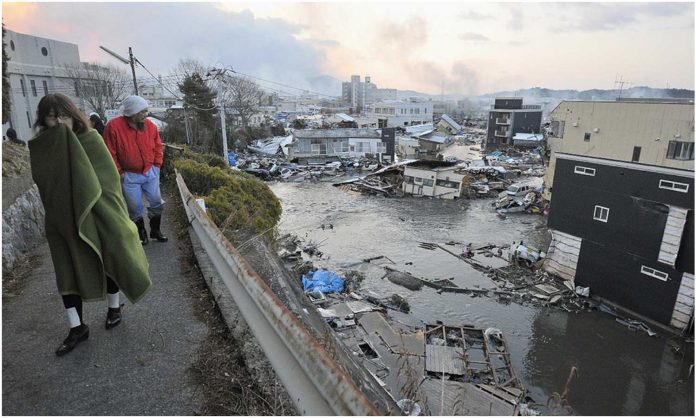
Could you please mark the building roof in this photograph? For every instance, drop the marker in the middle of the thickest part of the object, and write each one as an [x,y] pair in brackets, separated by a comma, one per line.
[433,137]
[451,122]
[528,137]
[336,133]
[345,117]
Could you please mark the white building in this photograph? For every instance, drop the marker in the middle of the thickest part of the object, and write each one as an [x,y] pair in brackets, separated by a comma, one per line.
[159,99]
[393,113]
[35,69]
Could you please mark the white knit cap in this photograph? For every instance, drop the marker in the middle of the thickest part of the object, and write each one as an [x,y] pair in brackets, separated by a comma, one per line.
[133,104]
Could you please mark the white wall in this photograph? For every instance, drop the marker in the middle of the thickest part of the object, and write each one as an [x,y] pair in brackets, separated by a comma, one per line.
[27,62]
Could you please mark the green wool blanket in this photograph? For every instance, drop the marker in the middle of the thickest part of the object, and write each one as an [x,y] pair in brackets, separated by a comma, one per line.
[87,225]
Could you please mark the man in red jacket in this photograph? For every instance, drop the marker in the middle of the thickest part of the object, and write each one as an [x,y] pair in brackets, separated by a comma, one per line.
[136,148]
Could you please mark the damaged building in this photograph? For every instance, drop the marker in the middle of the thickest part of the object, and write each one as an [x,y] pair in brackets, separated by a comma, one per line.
[322,145]
[507,117]
[433,178]
[621,182]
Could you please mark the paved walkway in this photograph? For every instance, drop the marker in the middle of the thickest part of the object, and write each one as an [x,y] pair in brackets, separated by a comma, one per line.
[138,368]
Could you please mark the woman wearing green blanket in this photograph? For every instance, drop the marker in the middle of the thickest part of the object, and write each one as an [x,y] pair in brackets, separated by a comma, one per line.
[94,246]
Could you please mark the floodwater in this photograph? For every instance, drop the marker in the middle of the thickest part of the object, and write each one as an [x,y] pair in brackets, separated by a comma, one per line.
[620,372]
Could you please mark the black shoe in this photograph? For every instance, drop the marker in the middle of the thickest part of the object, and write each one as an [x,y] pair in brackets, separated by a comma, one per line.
[77,335]
[155,232]
[113,317]
[142,232]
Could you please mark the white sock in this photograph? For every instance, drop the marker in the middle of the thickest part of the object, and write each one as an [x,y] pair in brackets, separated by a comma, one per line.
[73,317]
[112,298]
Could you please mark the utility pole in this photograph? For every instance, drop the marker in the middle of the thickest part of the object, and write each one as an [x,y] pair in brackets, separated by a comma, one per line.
[223,125]
[132,64]
[131,61]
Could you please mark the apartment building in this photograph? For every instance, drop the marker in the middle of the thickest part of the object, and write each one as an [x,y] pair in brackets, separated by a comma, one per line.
[395,113]
[621,180]
[509,116]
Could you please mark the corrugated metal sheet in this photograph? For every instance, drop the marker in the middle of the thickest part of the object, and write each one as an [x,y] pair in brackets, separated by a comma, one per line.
[672,236]
[562,256]
[684,306]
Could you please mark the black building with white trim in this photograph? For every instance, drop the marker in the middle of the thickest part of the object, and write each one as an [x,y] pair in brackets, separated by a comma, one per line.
[626,230]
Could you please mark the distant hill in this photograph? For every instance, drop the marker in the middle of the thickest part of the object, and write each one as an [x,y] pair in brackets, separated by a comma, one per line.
[596,94]
[325,84]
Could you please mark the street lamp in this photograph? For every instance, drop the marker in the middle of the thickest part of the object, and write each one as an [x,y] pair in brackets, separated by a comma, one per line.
[125,61]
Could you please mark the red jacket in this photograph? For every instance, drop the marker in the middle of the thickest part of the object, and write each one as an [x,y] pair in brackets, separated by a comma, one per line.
[133,150]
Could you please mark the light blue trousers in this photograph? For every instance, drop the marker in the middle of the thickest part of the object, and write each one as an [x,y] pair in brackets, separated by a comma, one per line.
[137,184]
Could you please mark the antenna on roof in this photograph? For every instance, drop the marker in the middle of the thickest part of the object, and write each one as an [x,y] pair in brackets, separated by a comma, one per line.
[619,81]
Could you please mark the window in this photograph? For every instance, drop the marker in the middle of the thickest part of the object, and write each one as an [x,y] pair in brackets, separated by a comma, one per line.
[45,86]
[674,186]
[649,271]
[24,88]
[29,119]
[77,90]
[408,179]
[636,154]
[12,45]
[381,148]
[601,213]
[679,150]
[428,182]
[558,128]
[418,180]
[32,83]
[447,183]
[44,51]
[587,136]
[585,171]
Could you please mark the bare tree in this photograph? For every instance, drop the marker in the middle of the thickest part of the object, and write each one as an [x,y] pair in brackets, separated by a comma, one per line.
[243,96]
[100,86]
[187,67]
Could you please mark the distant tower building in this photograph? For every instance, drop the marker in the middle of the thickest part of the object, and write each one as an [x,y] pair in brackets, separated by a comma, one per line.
[355,91]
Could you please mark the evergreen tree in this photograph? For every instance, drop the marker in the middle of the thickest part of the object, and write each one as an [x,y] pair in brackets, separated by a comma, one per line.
[200,100]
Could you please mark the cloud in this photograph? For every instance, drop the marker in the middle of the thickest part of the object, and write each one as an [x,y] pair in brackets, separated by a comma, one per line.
[472,15]
[402,36]
[612,16]
[516,21]
[324,42]
[460,79]
[163,33]
[470,36]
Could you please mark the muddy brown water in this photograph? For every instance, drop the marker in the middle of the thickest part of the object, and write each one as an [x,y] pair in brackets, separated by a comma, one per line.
[620,372]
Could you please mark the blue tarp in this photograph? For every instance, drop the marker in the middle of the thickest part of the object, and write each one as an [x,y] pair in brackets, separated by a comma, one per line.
[232,158]
[325,281]
[495,154]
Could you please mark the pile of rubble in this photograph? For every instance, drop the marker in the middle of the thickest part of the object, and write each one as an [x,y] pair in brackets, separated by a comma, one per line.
[277,167]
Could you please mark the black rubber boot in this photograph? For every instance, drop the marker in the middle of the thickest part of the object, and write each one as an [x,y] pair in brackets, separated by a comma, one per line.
[142,232]
[155,232]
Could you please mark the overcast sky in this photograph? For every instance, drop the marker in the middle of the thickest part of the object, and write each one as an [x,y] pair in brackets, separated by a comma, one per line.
[455,47]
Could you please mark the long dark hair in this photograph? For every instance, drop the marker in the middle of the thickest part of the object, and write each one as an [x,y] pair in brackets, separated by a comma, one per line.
[61,104]
[98,124]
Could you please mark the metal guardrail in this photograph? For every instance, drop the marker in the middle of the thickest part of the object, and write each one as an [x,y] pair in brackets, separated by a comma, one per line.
[315,383]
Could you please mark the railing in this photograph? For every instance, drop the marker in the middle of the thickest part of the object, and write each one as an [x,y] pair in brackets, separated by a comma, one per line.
[502,121]
[503,134]
[315,383]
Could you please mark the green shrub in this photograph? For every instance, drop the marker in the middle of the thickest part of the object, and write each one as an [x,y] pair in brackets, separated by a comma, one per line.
[235,201]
